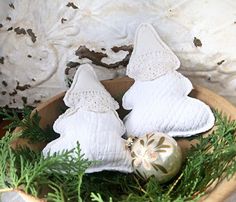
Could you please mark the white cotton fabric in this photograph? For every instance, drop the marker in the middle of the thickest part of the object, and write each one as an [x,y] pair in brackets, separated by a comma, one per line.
[99,136]
[163,105]
[159,96]
[94,123]
[151,57]
[88,93]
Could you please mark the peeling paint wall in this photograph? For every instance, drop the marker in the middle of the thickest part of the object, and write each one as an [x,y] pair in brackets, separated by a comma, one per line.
[43,42]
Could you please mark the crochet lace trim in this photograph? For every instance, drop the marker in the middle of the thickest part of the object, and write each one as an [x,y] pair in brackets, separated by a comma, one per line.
[92,101]
[152,65]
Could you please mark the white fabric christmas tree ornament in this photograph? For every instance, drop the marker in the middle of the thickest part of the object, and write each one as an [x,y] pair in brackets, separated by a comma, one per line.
[88,93]
[151,57]
[159,97]
[93,122]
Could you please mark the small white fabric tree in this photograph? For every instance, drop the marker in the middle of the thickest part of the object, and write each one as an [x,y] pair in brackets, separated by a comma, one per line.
[92,121]
[159,97]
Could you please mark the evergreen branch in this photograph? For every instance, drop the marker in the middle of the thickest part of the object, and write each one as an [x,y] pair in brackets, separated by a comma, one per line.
[211,160]
[29,175]
[96,197]
[29,123]
[57,194]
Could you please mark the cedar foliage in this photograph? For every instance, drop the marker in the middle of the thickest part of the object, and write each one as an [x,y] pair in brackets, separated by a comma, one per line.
[211,160]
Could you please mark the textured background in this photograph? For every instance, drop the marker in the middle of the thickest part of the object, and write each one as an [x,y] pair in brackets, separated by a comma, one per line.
[43,42]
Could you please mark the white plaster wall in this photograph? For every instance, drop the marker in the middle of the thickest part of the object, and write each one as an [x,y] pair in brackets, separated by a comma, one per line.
[43,42]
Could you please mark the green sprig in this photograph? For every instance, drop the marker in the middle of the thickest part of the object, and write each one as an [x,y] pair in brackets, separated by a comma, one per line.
[29,123]
[211,160]
[30,171]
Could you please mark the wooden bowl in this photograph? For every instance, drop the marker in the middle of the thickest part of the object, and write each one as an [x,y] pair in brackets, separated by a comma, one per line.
[50,110]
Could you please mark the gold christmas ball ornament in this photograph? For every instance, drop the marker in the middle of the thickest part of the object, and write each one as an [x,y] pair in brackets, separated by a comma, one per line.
[155,154]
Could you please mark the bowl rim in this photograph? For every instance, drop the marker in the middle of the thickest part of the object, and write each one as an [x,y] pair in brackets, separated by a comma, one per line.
[196,89]
[225,188]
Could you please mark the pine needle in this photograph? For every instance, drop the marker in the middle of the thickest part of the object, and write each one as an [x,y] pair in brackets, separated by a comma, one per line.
[211,160]
[29,123]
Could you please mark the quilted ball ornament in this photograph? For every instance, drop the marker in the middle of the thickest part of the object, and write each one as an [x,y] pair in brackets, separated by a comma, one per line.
[155,154]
